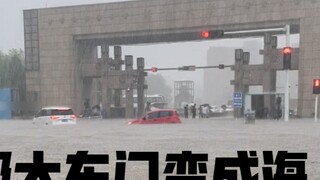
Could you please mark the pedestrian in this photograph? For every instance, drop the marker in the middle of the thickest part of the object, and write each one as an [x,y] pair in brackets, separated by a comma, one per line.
[278,108]
[205,111]
[186,108]
[266,113]
[148,107]
[194,111]
[86,112]
[201,111]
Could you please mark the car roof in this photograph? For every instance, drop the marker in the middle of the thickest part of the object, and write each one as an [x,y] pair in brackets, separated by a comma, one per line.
[56,107]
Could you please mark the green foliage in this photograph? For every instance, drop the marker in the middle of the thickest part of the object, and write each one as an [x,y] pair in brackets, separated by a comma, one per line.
[158,85]
[12,71]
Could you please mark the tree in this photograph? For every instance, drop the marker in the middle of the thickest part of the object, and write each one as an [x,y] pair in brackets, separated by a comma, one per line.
[12,71]
[158,85]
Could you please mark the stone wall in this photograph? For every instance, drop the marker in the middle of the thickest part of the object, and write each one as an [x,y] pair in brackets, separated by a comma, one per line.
[58,73]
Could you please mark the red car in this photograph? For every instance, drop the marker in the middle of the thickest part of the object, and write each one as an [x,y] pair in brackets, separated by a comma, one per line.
[160,116]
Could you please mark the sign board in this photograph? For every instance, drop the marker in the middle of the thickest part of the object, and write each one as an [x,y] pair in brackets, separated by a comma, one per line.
[237,100]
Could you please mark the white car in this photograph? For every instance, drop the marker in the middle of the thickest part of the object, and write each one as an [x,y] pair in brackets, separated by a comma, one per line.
[55,116]
[214,109]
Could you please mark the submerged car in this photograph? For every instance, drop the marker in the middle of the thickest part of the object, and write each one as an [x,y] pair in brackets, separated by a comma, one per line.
[160,116]
[55,116]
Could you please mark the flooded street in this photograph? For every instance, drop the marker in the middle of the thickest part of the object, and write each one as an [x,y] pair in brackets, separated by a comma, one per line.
[217,137]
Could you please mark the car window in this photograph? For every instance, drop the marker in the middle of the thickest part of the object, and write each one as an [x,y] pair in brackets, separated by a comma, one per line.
[56,112]
[62,112]
[44,113]
[38,114]
[153,115]
[165,113]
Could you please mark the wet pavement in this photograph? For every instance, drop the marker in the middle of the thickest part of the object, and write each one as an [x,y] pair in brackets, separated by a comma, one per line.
[217,137]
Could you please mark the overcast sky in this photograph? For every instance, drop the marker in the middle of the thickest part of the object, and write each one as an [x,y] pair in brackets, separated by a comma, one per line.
[11,15]
[160,55]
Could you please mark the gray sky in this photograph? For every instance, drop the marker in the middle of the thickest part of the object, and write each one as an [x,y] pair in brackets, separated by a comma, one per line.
[11,16]
[159,55]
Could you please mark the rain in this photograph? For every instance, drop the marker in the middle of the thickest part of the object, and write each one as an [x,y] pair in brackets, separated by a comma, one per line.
[105,76]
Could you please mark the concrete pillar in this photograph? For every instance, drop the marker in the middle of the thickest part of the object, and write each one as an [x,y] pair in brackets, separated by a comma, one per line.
[141,79]
[244,88]
[238,77]
[105,92]
[83,86]
[129,91]
[270,76]
[87,90]
[105,56]
[118,58]
[88,52]
[118,67]
[106,96]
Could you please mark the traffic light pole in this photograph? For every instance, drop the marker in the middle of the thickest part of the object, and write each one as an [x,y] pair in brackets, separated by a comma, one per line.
[198,67]
[316,109]
[286,106]
[209,67]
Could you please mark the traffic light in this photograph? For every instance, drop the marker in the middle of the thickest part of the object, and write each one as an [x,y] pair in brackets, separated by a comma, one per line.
[316,86]
[212,34]
[287,51]
[246,58]
[154,69]
[205,34]
[239,54]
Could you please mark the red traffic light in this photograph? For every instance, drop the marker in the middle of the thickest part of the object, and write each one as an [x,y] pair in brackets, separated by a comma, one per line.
[205,34]
[287,58]
[154,69]
[213,34]
[316,86]
[287,50]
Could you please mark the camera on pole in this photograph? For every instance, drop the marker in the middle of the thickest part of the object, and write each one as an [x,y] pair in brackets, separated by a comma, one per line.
[221,66]
[187,68]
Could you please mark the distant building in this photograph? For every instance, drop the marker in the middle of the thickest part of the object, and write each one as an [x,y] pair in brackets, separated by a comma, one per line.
[217,88]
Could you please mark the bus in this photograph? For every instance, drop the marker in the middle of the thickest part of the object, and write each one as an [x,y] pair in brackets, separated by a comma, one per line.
[156,101]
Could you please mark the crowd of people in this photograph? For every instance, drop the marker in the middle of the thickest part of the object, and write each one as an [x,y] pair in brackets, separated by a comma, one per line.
[93,111]
[203,111]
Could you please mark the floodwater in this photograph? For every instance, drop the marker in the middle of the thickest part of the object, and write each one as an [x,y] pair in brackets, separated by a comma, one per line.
[216,137]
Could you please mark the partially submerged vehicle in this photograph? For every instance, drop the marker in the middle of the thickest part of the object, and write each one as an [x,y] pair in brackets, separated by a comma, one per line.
[161,116]
[55,116]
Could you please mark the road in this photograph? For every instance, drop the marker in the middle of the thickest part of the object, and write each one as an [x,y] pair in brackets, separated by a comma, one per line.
[217,137]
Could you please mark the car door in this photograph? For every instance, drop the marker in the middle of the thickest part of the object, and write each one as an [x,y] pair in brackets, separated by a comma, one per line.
[37,117]
[41,117]
[165,117]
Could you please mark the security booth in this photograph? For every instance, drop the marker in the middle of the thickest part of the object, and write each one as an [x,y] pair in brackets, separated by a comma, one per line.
[265,105]
[5,103]
[10,103]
